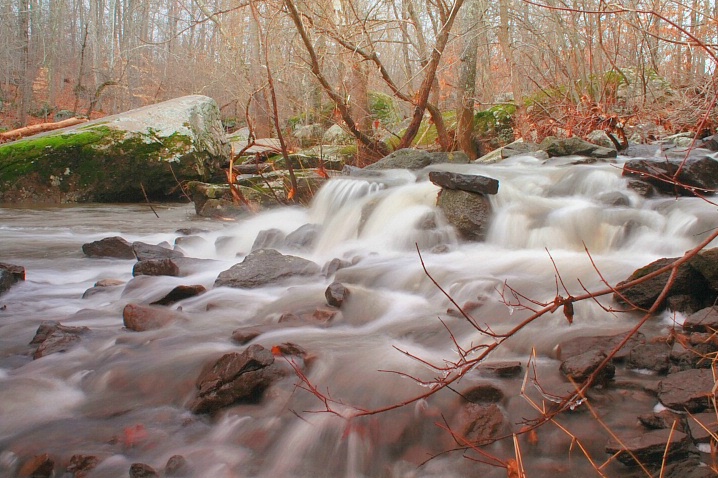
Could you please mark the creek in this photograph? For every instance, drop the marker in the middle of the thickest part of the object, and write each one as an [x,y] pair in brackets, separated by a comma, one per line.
[122,396]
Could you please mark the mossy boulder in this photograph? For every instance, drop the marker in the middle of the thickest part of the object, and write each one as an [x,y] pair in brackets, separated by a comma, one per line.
[113,158]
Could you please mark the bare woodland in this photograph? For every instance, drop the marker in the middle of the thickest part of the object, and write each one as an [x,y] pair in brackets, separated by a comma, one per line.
[566,66]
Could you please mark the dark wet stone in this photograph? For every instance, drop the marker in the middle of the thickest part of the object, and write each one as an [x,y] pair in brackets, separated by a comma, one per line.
[334,265]
[336,294]
[140,318]
[480,423]
[483,393]
[145,251]
[265,266]
[177,466]
[156,267]
[469,213]
[140,470]
[694,351]
[40,466]
[52,337]
[245,335]
[579,367]
[179,293]
[472,183]
[10,275]
[690,467]
[113,247]
[705,320]
[575,146]
[698,173]
[650,356]
[235,377]
[703,427]
[706,263]
[689,390]
[606,344]
[82,465]
[501,369]
[687,281]
[642,188]
[662,419]
[649,447]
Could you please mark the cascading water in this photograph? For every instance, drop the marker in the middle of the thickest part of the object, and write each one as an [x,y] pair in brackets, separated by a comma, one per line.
[123,396]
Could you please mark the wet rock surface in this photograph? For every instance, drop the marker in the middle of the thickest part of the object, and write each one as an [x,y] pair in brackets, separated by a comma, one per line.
[699,173]
[141,318]
[156,267]
[469,213]
[688,390]
[53,337]
[235,377]
[472,183]
[336,294]
[650,447]
[10,275]
[115,247]
[265,266]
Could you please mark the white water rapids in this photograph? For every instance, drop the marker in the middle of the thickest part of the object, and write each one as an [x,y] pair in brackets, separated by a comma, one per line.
[90,399]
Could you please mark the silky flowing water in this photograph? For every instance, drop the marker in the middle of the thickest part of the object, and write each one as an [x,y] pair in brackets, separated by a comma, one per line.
[122,396]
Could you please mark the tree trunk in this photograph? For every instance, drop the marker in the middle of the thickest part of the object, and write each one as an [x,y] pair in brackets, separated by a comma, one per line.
[26,80]
[467,79]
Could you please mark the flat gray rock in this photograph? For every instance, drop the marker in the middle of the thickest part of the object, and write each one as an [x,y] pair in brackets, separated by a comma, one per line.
[265,266]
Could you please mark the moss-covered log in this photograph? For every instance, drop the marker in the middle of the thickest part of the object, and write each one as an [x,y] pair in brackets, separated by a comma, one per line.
[111,159]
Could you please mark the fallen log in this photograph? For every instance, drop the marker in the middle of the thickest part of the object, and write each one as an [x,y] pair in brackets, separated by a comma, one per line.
[38,128]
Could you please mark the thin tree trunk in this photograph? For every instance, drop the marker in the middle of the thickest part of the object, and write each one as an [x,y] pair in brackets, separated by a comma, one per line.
[467,79]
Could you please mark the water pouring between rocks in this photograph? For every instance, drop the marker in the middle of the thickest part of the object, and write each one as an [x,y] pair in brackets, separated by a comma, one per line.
[117,398]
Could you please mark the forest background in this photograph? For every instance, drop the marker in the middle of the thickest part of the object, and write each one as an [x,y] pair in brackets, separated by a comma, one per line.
[482,72]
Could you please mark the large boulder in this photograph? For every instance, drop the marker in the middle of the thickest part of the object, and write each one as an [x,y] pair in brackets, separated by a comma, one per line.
[111,159]
[469,213]
[115,247]
[265,266]
[575,146]
[698,173]
[689,284]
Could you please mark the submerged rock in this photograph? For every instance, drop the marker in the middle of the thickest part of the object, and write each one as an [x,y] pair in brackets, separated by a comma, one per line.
[579,367]
[265,266]
[235,377]
[52,337]
[141,470]
[336,294]
[179,293]
[650,447]
[115,247]
[156,267]
[140,318]
[111,159]
[10,275]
